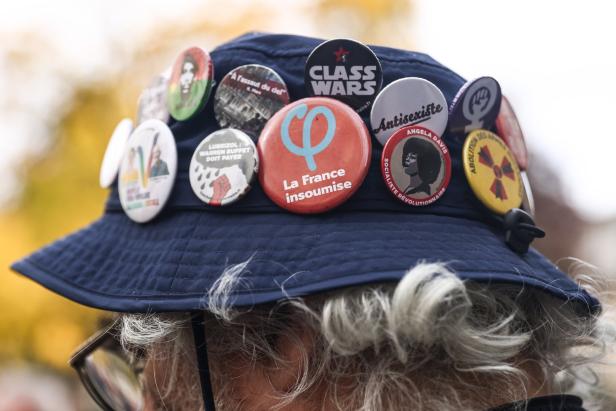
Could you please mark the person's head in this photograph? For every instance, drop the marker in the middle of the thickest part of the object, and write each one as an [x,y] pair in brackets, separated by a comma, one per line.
[430,342]
[188,73]
[422,159]
[372,304]
[156,152]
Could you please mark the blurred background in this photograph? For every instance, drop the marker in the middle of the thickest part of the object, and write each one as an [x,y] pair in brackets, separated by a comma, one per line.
[70,70]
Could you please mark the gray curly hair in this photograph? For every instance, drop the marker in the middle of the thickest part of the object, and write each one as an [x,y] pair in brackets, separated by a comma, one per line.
[429,342]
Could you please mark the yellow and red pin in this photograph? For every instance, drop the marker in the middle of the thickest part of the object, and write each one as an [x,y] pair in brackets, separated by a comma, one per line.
[492,171]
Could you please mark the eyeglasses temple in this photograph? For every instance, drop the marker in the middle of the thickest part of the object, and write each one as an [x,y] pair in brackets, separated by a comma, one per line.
[198,329]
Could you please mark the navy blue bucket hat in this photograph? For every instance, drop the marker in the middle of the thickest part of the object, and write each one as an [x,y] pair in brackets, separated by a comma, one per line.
[169,264]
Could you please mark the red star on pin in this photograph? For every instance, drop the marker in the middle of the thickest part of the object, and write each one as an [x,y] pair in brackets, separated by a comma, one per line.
[341,55]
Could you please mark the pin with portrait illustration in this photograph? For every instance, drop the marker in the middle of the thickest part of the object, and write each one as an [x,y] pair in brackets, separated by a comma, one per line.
[475,106]
[314,155]
[345,70]
[190,84]
[409,101]
[148,170]
[416,166]
[223,167]
[153,100]
[113,152]
[248,96]
[492,171]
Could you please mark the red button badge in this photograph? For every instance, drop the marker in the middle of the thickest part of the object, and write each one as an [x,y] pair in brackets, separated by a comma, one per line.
[314,155]
[508,128]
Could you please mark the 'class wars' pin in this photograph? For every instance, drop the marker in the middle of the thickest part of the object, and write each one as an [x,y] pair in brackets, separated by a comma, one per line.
[408,101]
[475,106]
[223,167]
[492,171]
[416,166]
[190,84]
[148,170]
[345,70]
[248,96]
[314,155]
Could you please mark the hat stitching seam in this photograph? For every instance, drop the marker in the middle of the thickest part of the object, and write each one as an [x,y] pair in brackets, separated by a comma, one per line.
[244,292]
[304,53]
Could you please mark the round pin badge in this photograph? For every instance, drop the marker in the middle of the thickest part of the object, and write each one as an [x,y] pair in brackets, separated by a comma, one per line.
[148,170]
[409,101]
[113,153]
[315,154]
[153,100]
[528,202]
[223,167]
[416,166]
[475,106]
[345,70]
[508,128]
[248,96]
[190,84]
[492,171]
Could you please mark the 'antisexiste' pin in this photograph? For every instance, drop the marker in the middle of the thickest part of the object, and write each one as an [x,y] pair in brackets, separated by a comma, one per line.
[223,167]
[408,101]
[345,70]
[314,155]
[475,106]
[416,166]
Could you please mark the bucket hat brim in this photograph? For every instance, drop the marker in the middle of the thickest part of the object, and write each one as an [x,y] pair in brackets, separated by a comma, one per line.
[171,263]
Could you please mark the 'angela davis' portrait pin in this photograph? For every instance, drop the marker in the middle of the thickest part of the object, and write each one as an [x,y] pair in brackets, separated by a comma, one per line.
[223,167]
[416,166]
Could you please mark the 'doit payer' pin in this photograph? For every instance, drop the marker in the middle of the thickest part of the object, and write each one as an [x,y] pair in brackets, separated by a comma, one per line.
[492,171]
[345,70]
[113,153]
[416,165]
[409,101]
[475,106]
[314,155]
[153,100]
[190,84]
[248,96]
[148,170]
[223,167]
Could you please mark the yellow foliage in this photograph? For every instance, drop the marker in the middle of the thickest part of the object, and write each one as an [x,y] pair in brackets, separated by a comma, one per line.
[61,192]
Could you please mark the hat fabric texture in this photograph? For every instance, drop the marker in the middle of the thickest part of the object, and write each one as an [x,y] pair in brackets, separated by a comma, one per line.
[169,264]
